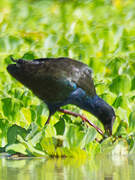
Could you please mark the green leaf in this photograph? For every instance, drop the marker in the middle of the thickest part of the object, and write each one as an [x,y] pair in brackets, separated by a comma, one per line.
[122,113]
[27,114]
[74,136]
[121,84]
[60,126]
[7,106]
[16,148]
[30,147]
[2,44]
[121,101]
[131,143]
[133,83]
[121,129]
[13,42]
[4,125]
[50,131]
[115,65]
[29,55]
[93,148]
[11,108]
[36,139]
[109,97]
[49,145]
[132,121]
[12,133]
[32,131]
[3,77]
[90,135]
[107,145]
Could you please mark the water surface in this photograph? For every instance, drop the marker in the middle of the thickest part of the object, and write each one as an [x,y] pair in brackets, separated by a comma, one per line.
[99,168]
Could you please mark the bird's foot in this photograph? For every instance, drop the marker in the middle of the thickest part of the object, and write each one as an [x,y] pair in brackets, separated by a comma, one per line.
[83,118]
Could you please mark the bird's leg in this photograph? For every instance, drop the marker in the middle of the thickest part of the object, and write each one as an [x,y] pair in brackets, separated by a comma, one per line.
[52,110]
[83,118]
[48,120]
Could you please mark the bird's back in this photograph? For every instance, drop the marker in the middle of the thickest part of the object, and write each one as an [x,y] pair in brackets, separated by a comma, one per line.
[53,79]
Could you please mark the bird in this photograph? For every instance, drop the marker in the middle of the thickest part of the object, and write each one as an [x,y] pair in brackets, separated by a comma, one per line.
[62,81]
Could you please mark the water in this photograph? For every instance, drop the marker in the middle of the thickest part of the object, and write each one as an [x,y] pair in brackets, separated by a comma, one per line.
[99,168]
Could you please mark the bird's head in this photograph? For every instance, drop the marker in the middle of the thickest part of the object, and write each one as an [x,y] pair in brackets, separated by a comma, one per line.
[106,115]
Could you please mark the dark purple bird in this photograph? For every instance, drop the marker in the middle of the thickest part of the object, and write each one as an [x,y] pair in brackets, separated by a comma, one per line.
[62,81]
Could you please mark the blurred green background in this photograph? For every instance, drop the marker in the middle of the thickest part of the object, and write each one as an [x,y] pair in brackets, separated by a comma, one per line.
[100,33]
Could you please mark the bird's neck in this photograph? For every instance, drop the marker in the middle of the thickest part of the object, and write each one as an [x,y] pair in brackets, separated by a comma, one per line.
[88,103]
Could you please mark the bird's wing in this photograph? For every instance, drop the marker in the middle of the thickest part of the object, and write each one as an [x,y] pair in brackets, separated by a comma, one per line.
[54,79]
[71,70]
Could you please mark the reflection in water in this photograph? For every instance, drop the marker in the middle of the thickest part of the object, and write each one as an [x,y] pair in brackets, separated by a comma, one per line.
[102,167]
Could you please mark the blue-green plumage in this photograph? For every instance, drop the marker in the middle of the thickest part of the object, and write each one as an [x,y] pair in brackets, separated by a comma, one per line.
[63,81]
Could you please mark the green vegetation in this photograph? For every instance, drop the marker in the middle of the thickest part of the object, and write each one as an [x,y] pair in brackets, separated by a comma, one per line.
[100,33]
